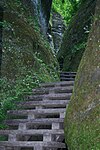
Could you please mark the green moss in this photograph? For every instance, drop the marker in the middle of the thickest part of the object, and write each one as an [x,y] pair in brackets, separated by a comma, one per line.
[67,8]
[84,135]
[82,124]
[27,59]
[75,38]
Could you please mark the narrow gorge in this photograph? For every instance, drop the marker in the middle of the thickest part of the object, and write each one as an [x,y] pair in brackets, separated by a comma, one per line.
[49,74]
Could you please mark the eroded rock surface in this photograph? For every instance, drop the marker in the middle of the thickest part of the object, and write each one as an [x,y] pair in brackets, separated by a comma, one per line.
[75,38]
[82,117]
[58,28]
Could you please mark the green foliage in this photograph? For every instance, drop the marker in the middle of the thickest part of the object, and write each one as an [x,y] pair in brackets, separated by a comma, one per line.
[6,25]
[78,47]
[22,11]
[72,59]
[66,8]
[75,38]
[27,59]
[16,90]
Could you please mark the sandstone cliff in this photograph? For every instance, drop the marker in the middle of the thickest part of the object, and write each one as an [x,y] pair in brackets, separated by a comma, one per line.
[57,30]
[26,57]
[22,41]
[82,117]
[75,38]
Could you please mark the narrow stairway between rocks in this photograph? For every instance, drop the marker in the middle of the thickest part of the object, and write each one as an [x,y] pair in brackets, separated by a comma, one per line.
[38,123]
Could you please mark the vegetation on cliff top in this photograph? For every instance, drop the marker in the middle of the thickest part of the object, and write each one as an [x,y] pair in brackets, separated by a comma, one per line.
[66,8]
[76,35]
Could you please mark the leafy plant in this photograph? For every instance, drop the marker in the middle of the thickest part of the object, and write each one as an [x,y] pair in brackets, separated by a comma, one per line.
[66,8]
[78,47]
[16,90]
[23,67]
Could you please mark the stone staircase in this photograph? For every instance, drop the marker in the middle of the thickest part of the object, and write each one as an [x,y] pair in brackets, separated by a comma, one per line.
[38,124]
[67,76]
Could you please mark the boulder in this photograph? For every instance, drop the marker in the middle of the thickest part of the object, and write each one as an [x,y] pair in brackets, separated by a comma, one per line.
[82,126]
[75,38]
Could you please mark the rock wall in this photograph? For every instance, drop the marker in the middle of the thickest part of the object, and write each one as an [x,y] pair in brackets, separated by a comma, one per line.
[45,14]
[1,19]
[41,9]
[75,37]
[82,117]
[57,30]
[21,37]
[27,59]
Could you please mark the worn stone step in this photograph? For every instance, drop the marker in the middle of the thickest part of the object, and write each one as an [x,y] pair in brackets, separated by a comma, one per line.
[67,76]
[45,121]
[68,73]
[61,96]
[33,144]
[53,84]
[32,132]
[2,148]
[42,91]
[68,89]
[46,103]
[51,96]
[44,110]
[36,112]
[67,79]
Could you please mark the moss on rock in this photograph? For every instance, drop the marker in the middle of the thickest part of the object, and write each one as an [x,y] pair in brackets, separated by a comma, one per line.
[82,124]
[27,58]
[75,38]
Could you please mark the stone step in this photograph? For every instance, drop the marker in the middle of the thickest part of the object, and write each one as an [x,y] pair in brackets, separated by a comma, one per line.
[32,132]
[53,84]
[67,76]
[36,112]
[43,121]
[67,79]
[68,73]
[62,89]
[42,91]
[44,109]
[52,96]
[2,148]
[33,144]
[45,104]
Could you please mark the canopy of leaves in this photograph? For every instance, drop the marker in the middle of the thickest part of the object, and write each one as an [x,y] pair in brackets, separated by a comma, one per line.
[66,8]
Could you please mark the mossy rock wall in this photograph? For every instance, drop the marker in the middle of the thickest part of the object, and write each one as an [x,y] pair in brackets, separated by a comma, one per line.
[27,59]
[22,41]
[82,124]
[75,38]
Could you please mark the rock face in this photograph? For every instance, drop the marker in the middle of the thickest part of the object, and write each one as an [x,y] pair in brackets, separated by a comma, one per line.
[41,9]
[58,28]
[21,36]
[75,37]
[82,117]
[27,59]
[1,19]
[45,14]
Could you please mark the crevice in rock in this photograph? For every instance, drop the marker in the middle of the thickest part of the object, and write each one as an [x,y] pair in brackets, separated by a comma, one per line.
[45,10]
[57,30]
